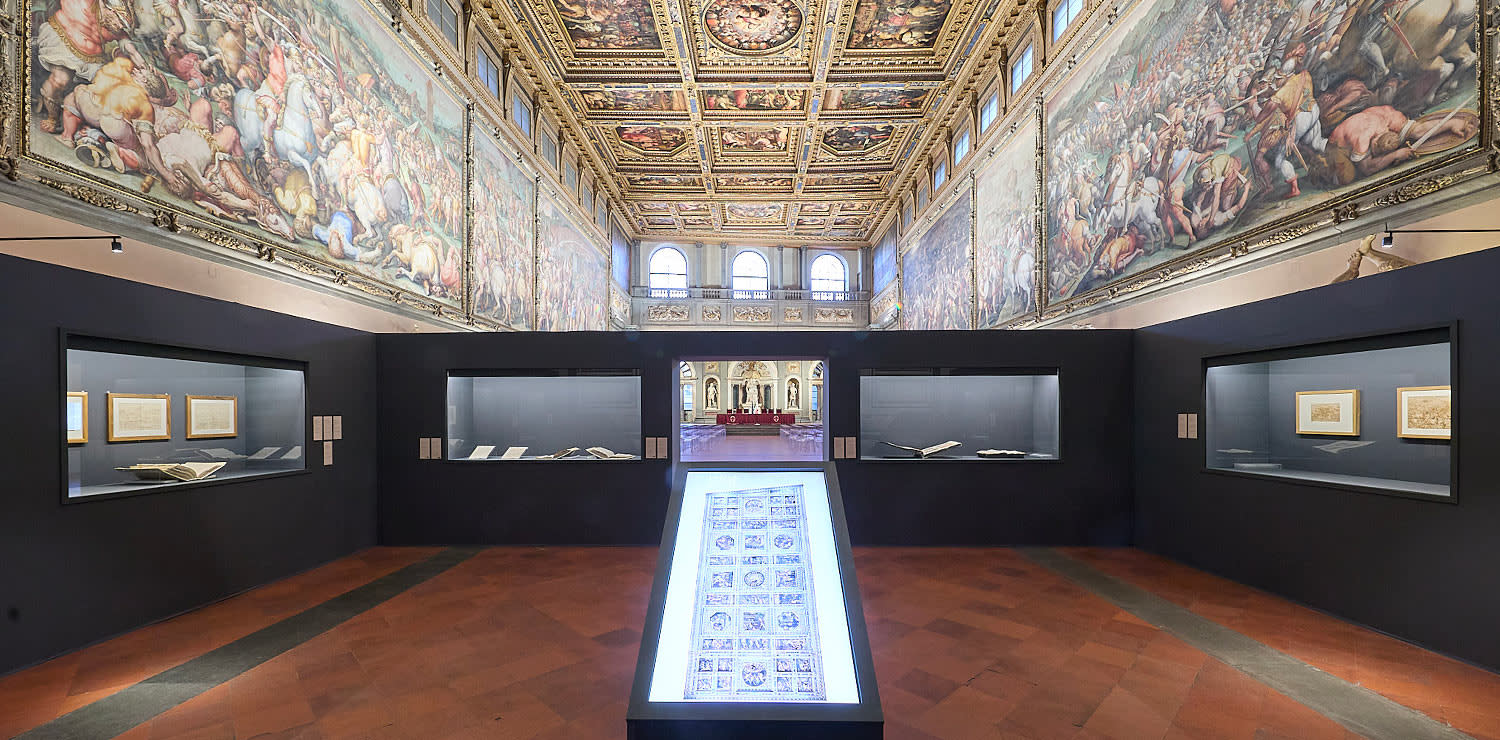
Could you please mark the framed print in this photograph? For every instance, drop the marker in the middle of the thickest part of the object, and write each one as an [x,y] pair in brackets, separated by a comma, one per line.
[1333,413]
[76,413]
[212,417]
[1424,412]
[138,417]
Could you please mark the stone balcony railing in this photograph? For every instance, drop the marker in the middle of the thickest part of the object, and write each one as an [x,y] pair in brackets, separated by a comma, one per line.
[725,308]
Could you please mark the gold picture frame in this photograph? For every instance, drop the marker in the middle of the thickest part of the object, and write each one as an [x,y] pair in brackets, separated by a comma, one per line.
[138,417]
[76,433]
[1328,413]
[1436,416]
[206,417]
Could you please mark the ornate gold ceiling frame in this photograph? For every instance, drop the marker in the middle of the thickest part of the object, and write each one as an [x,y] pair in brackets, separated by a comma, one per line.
[712,59]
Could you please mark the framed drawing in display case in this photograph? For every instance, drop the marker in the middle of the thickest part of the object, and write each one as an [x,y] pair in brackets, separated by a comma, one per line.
[139,417]
[1425,412]
[213,417]
[1328,413]
[76,415]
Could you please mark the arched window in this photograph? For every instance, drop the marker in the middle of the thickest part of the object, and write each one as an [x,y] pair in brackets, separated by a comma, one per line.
[829,278]
[668,274]
[751,275]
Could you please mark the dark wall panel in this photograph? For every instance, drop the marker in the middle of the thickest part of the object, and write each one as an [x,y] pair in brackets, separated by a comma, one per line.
[77,573]
[1422,570]
[1084,499]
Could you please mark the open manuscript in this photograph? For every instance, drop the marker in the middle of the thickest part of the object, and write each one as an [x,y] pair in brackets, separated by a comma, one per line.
[926,451]
[173,471]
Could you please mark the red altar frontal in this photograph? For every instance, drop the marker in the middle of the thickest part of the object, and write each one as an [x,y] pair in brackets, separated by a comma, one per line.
[756,419]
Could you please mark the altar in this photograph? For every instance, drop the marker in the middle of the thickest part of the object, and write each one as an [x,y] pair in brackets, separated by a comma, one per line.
[761,418]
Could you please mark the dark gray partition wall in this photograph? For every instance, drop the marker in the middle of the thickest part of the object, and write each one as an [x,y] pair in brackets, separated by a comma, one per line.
[77,573]
[1083,499]
[1420,569]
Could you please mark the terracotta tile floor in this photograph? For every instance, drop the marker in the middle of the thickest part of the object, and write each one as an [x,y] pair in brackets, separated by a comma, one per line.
[1442,688]
[541,643]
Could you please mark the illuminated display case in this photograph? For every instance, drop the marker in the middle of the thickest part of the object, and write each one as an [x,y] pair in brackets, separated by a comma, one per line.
[928,415]
[567,416]
[142,418]
[1374,413]
[755,623]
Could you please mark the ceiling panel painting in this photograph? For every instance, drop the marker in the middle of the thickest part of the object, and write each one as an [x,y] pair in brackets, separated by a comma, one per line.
[789,117]
[879,100]
[654,140]
[761,101]
[897,24]
[633,101]
[608,25]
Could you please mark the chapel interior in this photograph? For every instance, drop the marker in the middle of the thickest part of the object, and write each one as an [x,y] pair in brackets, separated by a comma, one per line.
[749,369]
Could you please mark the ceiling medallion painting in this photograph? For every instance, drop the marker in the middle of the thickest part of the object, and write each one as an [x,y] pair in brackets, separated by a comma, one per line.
[897,24]
[654,139]
[609,25]
[727,102]
[754,139]
[752,26]
[859,138]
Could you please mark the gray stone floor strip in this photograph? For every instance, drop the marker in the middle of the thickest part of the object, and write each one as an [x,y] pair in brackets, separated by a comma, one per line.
[119,712]
[1357,708]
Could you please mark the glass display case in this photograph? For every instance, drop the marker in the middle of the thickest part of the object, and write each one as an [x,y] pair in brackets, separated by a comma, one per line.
[755,618]
[1374,413]
[143,417]
[929,415]
[571,415]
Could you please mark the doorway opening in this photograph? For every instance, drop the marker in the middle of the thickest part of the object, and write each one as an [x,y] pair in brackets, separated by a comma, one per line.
[746,410]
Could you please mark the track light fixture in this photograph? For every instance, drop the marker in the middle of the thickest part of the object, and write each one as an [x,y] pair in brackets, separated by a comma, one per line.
[114,241]
[1385,241]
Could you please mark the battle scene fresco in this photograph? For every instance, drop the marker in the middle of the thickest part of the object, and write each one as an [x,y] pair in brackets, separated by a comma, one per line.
[897,24]
[882,99]
[609,25]
[609,101]
[304,121]
[502,236]
[883,260]
[572,274]
[755,139]
[858,138]
[935,291]
[1192,123]
[653,139]
[752,26]
[1005,248]
[767,100]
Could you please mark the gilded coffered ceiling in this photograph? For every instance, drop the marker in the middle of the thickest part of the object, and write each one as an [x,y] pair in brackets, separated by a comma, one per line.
[790,120]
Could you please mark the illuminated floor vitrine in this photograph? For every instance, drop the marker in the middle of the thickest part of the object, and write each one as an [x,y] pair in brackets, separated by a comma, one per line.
[755,626]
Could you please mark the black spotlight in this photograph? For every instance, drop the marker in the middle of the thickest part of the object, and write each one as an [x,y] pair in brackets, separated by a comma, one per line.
[1385,241]
[115,245]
